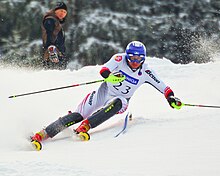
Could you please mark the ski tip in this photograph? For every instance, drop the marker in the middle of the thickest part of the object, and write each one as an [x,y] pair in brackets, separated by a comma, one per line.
[12,96]
[130,117]
[36,145]
[84,136]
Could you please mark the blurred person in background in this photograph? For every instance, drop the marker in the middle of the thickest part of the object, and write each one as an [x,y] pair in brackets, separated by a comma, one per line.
[54,38]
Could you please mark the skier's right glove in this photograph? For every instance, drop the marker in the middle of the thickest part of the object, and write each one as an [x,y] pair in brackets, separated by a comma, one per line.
[53,56]
[174,102]
[115,78]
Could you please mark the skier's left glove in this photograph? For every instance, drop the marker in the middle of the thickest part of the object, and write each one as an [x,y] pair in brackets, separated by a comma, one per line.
[115,78]
[174,102]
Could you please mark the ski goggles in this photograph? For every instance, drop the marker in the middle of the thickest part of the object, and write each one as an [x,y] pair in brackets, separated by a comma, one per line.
[136,58]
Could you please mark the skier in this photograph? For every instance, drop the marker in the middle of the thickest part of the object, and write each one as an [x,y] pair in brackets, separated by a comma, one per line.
[122,74]
[53,37]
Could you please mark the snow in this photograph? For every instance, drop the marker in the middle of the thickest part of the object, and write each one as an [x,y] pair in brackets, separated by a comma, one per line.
[159,141]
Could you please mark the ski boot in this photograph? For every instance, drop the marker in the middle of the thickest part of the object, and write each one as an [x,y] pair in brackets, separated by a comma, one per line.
[82,130]
[37,139]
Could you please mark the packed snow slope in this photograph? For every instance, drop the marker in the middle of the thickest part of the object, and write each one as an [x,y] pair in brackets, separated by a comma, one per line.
[159,141]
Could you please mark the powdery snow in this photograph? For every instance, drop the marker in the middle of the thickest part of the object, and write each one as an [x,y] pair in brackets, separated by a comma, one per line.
[159,141]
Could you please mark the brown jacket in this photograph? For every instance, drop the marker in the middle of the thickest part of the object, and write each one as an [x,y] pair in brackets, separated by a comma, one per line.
[58,28]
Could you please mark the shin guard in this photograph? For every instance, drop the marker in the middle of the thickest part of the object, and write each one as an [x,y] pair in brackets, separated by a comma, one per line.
[105,113]
[62,123]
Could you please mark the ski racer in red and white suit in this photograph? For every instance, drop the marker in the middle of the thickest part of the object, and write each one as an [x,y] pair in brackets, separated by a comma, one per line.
[122,90]
[124,73]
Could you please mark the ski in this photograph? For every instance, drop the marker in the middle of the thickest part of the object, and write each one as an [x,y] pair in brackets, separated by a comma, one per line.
[128,116]
[37,146]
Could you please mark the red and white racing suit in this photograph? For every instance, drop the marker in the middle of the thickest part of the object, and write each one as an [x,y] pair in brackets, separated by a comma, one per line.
[123,90]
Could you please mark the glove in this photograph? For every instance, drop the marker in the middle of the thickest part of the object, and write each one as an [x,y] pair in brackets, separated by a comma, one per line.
[174,102]
[115,78]
[53,56]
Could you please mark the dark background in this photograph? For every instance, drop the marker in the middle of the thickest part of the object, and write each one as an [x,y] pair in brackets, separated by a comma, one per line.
[180,30]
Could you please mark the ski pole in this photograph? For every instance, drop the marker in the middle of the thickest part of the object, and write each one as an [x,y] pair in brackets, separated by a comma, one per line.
[47,90]
[203,106]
